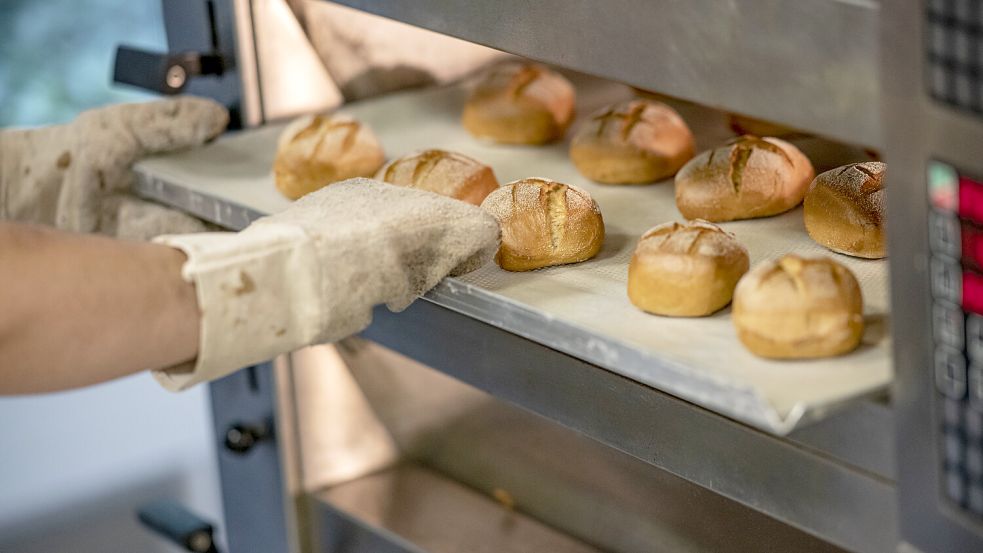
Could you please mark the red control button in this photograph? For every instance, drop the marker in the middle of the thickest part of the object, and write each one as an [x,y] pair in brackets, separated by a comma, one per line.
[973,292]
[971,200]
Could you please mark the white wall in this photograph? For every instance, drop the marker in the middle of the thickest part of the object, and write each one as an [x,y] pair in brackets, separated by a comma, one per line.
[74,466]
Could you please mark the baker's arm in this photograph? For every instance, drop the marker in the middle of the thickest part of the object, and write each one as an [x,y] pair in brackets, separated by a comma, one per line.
[80,309]
[76,310]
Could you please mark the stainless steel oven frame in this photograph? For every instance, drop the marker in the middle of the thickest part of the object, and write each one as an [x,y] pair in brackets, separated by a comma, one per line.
[866,478]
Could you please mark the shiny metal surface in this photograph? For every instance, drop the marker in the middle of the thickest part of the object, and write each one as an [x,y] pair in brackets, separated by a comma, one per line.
[802,486]
[188,24]
[290,76]
[559,476]
[812,65]
[253,493]
[431,513]
[272,71]
[861,435]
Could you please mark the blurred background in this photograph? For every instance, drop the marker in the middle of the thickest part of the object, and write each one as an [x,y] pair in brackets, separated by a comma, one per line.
[57,55]
[75,466]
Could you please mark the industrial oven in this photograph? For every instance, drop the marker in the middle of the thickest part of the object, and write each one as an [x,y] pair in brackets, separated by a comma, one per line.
[484,418]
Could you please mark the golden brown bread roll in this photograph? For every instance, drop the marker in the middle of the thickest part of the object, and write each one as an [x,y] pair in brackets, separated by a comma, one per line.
[799,308]
[544,223]
[632,142]
[315,151]
[520,103]
[747,178]
[685,270]
[845,208]
[447,173]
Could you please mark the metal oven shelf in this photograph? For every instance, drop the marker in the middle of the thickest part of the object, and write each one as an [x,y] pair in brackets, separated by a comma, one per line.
[580,310]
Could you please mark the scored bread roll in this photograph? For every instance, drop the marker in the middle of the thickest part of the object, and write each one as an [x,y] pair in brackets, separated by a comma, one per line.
[632,142]
[845,209]
[315,151]
[520,103]
[544,223]
[799,308]
[748,177]
[685,270]
[447,173]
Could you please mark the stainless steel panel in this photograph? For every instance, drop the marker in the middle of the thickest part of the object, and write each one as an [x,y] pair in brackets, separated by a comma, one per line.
[811,490]
[861,435]
[558,476]
[917,130]
[811,65]
[419,510]
[253,498]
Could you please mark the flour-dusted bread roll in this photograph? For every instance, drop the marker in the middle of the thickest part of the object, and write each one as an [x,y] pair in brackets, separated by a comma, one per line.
[446,173]
[845,210]
[317,150]
[520,103]
[748,177]
[798,308]
[685,270]
[544,223]
[632,142]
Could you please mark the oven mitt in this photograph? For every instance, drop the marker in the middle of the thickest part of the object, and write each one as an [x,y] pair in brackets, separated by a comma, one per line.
[77,176]
[312,273]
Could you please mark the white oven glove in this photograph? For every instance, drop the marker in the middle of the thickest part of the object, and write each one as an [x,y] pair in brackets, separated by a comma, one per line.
[312,273]
[77,176]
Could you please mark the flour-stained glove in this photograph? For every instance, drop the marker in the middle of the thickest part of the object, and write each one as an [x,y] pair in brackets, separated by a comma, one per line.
[77,176]
[312,273]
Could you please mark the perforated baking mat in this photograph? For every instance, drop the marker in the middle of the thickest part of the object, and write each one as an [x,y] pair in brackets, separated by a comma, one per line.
[581,309]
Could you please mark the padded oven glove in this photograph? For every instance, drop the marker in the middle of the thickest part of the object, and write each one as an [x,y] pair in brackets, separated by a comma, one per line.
[312,273]
[77,176]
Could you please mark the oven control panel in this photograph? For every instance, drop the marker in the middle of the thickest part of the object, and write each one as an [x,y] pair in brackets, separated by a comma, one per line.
[954,44]
[956,272]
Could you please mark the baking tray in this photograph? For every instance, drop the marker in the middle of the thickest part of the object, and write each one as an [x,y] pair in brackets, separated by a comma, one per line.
[582,309]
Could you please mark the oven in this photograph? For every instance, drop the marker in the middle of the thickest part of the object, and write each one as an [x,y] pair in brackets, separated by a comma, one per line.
[477,420]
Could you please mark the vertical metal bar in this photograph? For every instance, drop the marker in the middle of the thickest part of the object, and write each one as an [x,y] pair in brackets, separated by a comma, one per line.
[214,25]
[252,485]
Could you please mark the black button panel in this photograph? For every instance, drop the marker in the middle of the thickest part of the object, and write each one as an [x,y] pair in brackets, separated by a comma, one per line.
[954,52]
[957,335]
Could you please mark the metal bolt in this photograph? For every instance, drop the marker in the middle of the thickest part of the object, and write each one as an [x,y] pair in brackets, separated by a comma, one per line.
[176,76]
[200,542]
[240,438]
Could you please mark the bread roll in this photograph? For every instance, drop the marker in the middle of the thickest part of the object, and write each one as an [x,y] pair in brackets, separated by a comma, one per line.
[446,173]
[544,223]
[315,151]
[799,308]
[747,178]
[632,142]
[520,103]
[685,270]
[844,209]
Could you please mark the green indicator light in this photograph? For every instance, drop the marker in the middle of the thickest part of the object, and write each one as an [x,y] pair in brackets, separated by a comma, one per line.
[943,186]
